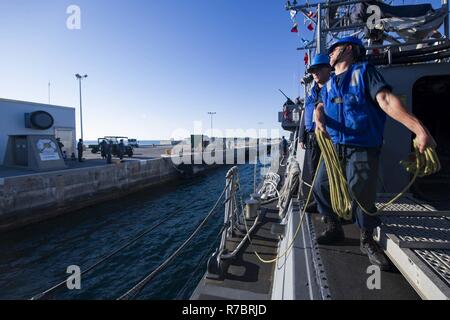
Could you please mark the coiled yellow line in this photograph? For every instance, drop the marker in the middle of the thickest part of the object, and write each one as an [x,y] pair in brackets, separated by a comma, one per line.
[423,164]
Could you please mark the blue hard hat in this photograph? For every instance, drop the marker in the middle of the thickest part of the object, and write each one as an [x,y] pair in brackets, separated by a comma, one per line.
[319,60]
[349,40]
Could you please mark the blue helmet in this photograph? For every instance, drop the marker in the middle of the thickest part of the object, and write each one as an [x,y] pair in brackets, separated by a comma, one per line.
[349,40]
[319,60]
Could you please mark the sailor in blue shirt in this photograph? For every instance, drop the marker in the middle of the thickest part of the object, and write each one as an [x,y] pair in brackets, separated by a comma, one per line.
[352,111]
[320,69]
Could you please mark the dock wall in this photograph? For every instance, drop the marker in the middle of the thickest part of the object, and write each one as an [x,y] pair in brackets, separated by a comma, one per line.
[36,197]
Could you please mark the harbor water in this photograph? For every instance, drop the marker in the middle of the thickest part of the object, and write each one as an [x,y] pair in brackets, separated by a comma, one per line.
[35,258]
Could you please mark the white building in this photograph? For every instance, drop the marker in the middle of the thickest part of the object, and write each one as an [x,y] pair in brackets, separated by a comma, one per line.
[20,120]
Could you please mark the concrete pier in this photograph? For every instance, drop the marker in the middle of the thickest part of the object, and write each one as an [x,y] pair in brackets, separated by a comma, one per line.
[35,197]
[27,197]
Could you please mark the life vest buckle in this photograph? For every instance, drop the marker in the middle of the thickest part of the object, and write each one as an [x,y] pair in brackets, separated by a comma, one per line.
[338,100]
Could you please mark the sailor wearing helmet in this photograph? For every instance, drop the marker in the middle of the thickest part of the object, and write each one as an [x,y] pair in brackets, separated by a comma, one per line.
[352,111]
[320,69]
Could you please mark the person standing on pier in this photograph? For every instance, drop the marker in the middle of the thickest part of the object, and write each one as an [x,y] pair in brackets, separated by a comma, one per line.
[60,144]
[80,148]
[109,147]
[121,149]
[103,146]
[320,69]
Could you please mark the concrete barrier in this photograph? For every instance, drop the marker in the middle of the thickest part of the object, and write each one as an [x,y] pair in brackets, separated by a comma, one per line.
[36,197]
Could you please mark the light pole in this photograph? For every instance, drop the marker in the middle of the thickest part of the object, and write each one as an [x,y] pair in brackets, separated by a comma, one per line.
[259,134]
[260,124]
[212,114]
[79,77]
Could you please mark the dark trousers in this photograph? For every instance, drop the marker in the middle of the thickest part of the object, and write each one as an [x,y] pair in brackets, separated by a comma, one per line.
[361,170]
[312,157]
[80,156]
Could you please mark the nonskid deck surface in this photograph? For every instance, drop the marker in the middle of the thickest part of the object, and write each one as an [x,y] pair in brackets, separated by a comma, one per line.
[347,270]
[247,277]
[415,272]
[417,239]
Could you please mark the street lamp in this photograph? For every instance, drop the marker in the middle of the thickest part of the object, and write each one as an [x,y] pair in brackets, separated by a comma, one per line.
[79,77]
[260,127]
[260,124]
[212,114]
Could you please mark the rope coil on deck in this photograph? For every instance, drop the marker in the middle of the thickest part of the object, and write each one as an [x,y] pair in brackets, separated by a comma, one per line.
[269,189]
[297,232]
[423,164]
[290,187]
[426,163]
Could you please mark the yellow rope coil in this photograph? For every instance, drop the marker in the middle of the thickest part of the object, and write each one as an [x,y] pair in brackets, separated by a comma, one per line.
[340,196]
[421,165]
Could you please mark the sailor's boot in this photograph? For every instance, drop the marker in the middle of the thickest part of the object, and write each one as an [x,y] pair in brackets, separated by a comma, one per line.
[333,232]
[312,207]
[370,247]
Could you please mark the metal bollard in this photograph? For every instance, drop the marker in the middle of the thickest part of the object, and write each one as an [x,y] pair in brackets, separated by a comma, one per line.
[256,197]
[251,209]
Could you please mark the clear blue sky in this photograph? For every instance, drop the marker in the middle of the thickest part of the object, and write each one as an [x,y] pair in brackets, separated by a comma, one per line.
[154,65]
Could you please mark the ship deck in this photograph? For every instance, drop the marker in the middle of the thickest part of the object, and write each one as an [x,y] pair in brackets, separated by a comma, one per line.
[346,271]
[247,278]
[414,236]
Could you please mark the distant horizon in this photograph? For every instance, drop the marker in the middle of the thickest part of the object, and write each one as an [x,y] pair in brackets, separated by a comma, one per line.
[159,140]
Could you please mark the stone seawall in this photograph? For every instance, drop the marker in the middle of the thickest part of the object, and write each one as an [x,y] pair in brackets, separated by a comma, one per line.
[36,197]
